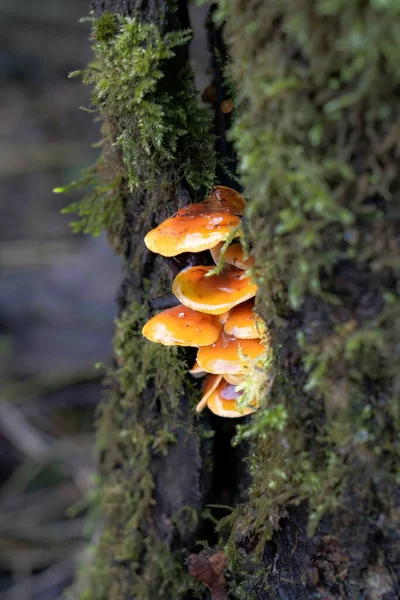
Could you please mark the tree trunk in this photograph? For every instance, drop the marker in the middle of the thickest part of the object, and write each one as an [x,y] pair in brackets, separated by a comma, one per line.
[317,149]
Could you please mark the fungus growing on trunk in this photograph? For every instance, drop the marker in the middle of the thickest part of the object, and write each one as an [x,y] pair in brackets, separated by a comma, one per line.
[227,199]
[211,382]
[196,371]
[233,255]
[198,227]
[223,402]
[244,323]
[233,379]
[182,326]
[216,311]
[213,295]
[231,356]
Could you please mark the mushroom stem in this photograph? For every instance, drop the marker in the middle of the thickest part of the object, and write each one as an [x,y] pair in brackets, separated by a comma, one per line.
[201,405]
[210,384]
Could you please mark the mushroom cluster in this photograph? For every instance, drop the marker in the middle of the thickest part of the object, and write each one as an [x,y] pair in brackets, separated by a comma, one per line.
[216,314]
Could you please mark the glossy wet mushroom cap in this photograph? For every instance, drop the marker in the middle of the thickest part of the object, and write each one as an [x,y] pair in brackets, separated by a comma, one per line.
[223,402]
[198,227]
[231,356]
[226,198]
[211,382]
[192,229]
[213,294]
[182,326]
[244,323]
[233,255]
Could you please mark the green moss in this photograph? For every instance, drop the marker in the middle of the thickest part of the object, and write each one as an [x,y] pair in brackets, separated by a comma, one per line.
[105,27]
[135,424]
[102,206]
[156,139]
[156,118]
[316,136]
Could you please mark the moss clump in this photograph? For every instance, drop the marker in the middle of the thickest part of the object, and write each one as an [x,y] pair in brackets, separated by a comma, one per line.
[316,138]
[135,425]
[156,141]
[155,114]
[101,208]
[105,28]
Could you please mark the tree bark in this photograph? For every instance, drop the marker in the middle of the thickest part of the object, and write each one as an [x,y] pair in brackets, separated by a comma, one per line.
[324,295]
[354,550]
[177,479]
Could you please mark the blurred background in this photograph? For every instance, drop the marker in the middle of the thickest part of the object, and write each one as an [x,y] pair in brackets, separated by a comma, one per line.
[57,305]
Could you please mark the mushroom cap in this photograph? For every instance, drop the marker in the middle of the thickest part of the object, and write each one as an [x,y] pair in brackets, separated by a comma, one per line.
[182,326]
[228,355]
[213,295]
[226,198]
[198,227]
[211,382]
[244,323]
[234,255]
[222,402]
[224,317]
[196,371]
[233,379]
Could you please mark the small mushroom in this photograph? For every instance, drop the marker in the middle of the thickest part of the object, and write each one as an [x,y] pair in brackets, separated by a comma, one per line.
[233,256]
[227,106]
[224,317]
[222,402]
[213,295]
[230,356]
[211,382]
[243,322]
[182,326]
[196,371]
[198,227]
[226,198]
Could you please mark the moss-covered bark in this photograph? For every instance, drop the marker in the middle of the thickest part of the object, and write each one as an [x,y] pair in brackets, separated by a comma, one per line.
[318,141]
[316,131]
[156,149]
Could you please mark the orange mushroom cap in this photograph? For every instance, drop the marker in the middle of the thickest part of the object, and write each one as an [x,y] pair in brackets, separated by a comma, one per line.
[224,317]
[182,326]
[198,227]
[210,384]
[228,355]
[196,371]
[213,295]
[233,379]
[227,199]
[222,402]
[244,323]
[233,255]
